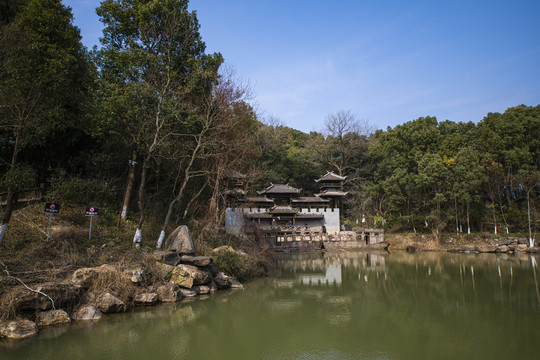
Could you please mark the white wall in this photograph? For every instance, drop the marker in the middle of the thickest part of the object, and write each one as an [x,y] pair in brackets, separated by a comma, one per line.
[234,219]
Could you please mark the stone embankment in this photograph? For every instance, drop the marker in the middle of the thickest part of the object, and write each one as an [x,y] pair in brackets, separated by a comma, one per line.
[516,245]
[475,245]
[171,275]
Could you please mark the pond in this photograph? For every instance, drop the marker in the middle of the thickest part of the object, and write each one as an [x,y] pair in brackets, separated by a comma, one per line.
[333,305]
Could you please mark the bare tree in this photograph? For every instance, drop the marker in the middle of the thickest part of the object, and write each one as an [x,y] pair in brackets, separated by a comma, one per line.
[345,143]
[218,144]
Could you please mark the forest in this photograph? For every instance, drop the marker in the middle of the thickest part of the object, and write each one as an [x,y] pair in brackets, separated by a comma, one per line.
[148,125]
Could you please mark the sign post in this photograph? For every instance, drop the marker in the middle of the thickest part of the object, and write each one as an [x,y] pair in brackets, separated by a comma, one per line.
[91,211]
[51,208]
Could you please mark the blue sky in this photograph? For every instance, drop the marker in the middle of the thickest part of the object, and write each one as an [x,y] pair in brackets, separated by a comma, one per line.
[386,61]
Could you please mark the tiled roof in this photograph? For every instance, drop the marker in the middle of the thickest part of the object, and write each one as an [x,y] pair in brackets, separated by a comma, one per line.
[280,189]
[233,174]
[309,199]
[282,210]
[260,199]
[330,176]
[332,193]
[234,192]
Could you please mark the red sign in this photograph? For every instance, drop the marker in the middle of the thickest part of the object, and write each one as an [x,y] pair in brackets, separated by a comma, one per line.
[91,211]
[52,208]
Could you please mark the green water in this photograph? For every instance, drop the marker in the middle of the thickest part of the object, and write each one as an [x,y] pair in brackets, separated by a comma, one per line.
[329,306]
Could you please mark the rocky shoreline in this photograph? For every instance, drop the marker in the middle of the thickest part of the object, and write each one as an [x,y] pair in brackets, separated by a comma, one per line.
[169,275]
[478,245]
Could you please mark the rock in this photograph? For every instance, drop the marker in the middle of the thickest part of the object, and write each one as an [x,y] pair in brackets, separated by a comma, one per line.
[84,277]
[212,270]
[167,257]
[486,248]
[18,329]
[200,276]
[169,293]
[199,261]
[228,249]
[522,248]
[202,289]
[163,271]
[180,241]
[108,303]
[235,284]
[213,287]
[139,276]
[522,241]
[62,293]
[188,292]
[146,299]
[503,249]
[181,277]
[222,281]
[87,312]
[53,317]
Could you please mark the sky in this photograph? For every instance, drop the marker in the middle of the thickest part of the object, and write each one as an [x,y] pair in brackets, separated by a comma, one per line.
[386,61]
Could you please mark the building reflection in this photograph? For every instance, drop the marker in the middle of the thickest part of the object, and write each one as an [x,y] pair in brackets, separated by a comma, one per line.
[320,269]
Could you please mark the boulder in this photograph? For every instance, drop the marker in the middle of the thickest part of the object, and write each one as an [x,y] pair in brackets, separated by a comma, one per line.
[180,241]
[84,277]
[139,276]
[146,299]
[199,261]
[188,292]
[163,271]
[503,249]
[522,248]
[199,276]
[222,281]
[202,289]
[52,317]
[87,312]
[167,257]
[212,270]
[181,278]
[235,284]
[213,287]
[62,294]
[18,329]
[486,248]
[169,293]
[108,303]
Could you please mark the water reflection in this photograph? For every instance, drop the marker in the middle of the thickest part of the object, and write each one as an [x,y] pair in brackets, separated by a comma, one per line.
[334,305]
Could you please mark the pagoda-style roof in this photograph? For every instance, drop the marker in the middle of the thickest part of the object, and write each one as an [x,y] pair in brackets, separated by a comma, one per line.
[234,193]
[233,174]
[258,200]
[330,176]
[282,210]
[279,189]
[332,193]
[309,200]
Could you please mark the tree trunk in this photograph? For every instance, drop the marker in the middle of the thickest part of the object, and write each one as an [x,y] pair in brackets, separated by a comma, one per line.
[457,221]
[468,222]
[178,197]
[166,223]
[137,238]
[129,187]
[11,195]
[531,240]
